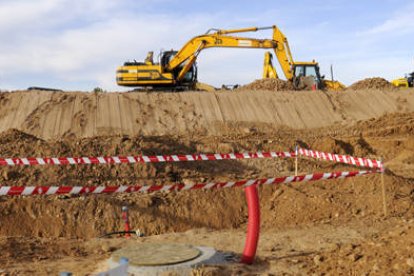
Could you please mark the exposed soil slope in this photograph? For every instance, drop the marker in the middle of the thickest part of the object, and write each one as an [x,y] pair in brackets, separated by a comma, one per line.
[53,115]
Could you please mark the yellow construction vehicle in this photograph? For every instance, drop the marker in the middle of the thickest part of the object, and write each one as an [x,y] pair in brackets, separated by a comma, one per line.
[177,70]
[407,81]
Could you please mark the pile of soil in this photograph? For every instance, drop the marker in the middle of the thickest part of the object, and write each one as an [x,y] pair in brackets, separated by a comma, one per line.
[269,84]
[372,83]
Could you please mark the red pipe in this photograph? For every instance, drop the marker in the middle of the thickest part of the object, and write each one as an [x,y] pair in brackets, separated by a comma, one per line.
[253,225]
[126,221]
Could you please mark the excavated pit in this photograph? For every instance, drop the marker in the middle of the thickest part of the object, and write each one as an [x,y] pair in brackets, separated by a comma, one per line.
[48,234]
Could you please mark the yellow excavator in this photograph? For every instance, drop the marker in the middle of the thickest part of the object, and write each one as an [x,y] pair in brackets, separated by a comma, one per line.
[177,70]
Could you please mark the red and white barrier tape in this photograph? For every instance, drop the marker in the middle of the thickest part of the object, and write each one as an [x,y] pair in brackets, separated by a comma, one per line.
[139,159]
[53,190]
[346,159]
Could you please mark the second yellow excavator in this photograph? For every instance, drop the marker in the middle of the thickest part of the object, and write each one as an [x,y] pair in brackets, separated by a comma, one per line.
[177,70]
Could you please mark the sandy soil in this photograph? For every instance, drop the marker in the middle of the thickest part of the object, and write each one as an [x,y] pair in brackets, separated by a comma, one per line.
[325,227]
[53,115]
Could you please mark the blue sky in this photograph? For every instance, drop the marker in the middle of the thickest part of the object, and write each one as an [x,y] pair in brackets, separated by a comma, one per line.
[77,44]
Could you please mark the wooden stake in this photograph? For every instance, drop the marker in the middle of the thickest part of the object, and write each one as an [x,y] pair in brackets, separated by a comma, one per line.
[296,160]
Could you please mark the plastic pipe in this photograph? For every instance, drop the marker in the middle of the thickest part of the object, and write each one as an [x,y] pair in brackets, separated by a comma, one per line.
[126,221]
[253,225]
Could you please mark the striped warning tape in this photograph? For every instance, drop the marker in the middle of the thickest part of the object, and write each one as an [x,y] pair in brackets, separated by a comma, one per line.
[139,159]
[346,159]
[54,190]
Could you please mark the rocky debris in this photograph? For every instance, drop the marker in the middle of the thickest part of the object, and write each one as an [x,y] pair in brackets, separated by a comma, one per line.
[372,83]
[318,259]
[268,84]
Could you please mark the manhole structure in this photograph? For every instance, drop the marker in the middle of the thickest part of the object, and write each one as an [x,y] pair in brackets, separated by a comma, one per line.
[156,258]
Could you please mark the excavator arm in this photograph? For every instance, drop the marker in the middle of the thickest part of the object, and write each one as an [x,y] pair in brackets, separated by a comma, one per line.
[269,71]
[187,56]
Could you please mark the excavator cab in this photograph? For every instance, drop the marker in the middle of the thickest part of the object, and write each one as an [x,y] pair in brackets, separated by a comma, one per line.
[306,75]
[190,78]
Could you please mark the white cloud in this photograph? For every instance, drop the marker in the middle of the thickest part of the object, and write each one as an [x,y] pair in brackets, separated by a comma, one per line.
[25,13]
[400,22]
[93,51]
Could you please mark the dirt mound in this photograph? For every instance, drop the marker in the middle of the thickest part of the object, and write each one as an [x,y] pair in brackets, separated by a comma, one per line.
[57,115]
[269,84]
[372,83]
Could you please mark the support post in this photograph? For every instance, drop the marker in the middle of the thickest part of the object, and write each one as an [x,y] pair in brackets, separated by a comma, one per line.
[253,225]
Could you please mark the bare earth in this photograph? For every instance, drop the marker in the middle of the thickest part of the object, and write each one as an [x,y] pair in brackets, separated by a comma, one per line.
[326,227]
[54,115]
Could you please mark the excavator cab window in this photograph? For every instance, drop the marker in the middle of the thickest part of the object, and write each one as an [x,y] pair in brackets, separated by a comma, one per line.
[299,71]
[311,71]
[305,74]
[166,57]
[189,78]
[307,70]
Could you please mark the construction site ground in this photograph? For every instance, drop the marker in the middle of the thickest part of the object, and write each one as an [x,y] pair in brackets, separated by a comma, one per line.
[331,227]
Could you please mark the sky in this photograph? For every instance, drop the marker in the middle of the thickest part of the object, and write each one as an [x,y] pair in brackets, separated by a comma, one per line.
[78,44]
